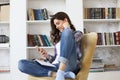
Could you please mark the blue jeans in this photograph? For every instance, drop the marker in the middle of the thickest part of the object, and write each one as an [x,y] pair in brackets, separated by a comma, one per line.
[68,55]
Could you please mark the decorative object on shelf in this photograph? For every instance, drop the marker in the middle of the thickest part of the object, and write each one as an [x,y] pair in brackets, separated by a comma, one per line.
[4,39]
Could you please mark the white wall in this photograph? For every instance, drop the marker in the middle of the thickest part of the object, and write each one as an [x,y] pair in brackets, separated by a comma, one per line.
[17,37]
[75,10]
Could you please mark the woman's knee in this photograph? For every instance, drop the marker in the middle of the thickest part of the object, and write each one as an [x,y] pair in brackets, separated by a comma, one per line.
[21,65]
[67,33]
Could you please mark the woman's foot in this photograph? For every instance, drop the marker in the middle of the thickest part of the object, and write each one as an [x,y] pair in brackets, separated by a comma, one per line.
[60,75]
[69,75]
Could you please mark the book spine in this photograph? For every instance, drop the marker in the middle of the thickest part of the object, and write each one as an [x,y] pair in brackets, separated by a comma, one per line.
[31,14]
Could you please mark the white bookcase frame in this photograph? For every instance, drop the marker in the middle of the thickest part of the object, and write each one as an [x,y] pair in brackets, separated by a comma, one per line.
[104,25]
[5,48]
[20,26]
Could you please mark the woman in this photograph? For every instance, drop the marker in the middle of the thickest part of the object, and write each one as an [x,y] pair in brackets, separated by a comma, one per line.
[66,54]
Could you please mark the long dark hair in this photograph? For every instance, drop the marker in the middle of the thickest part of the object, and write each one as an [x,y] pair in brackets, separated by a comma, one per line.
[55,33]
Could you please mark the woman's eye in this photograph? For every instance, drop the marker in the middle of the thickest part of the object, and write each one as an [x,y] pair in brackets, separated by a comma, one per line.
[57,23]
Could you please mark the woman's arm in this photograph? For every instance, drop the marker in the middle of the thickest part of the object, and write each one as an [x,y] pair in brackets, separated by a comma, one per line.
[48,57]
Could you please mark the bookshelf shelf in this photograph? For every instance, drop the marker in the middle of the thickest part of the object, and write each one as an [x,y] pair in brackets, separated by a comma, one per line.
[4,2]
[4,44]
[108,46]
[4,22]
[38,21]
[101,20]
[4,48]
[51,47]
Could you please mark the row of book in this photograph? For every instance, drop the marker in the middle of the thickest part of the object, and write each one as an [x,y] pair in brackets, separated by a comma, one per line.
[38,40]
[111,38]
[99,66]
[37,14]
[111,67]
[101,13]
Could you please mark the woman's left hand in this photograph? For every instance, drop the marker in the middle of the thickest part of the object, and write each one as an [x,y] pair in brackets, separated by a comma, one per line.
[66,24]
[43,52]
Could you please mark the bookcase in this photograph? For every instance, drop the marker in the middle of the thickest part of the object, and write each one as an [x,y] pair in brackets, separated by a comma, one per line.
[21,26]
[102,16]
[39,25]
[4,45]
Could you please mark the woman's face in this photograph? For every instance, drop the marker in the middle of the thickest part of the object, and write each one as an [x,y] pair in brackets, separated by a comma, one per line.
[59,24]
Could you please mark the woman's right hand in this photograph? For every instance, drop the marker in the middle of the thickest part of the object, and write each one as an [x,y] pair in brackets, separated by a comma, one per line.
[43,52]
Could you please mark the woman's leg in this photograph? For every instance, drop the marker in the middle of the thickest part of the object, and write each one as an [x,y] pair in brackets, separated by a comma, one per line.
[68,55]
[35,69]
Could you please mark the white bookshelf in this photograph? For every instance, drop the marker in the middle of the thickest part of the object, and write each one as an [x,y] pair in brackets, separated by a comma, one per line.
[109,53]
[102,20]
[20,27]
[5,48]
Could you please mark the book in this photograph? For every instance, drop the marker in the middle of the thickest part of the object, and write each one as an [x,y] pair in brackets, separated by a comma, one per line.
[4,13]
[117,13]
[44,63]
[46,40]
[96,70]
[36,39]
[117,38]
[43,40]
[97,63]
[111,67]
[44,14]
[29,41]
[31,14]
[40,40]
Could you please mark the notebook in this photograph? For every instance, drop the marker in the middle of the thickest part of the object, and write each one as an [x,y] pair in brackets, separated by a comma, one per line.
[45,63]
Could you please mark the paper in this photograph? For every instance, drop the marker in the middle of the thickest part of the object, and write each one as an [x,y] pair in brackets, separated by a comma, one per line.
[42,62]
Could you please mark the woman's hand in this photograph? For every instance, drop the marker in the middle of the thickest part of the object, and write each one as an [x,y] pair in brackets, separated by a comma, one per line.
[43,52]
[66,24]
